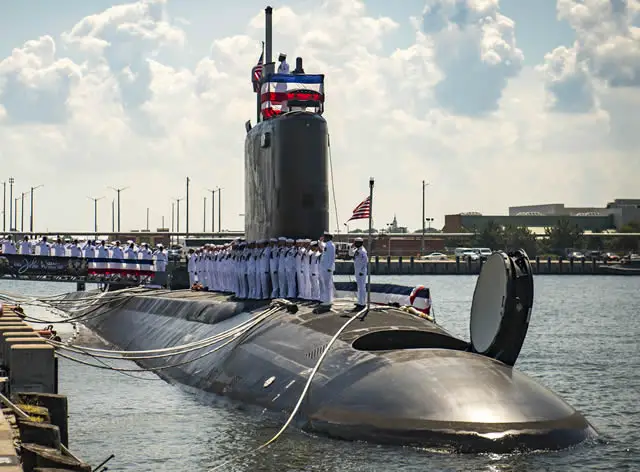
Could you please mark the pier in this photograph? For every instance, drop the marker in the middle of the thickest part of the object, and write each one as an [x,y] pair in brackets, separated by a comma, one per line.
[34,433]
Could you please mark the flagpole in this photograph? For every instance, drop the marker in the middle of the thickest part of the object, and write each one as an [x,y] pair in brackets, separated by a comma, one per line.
[258,103]
[369,243]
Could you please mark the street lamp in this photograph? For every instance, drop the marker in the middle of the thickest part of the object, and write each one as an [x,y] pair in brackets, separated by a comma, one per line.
[95,214]
[187,205]
[213,210]
[204,215]
[118,190]
[178,200]
[11,181]
[424,186]
[22,212]
[4,207]
[31,212]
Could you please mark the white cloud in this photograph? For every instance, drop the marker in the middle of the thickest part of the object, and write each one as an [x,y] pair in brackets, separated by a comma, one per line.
[107,104]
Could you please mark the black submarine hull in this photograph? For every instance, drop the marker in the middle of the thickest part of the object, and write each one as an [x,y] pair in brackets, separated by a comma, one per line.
[394,378]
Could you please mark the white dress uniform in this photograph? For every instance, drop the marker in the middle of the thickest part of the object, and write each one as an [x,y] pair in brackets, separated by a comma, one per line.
[251,273]
[360,266]
[131,255]
[25,247]
[315,275]
[74,250]
[273,268]
[300,252]
[263,267]
[282,268]
[116,253]
[306,272]
[161,260]
[191,267]
[291,270]
[44,249]
[8,247]
[327,267]
[59,249]
[103,253]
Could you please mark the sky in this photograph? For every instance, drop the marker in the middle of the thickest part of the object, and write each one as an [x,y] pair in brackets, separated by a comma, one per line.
[494,103]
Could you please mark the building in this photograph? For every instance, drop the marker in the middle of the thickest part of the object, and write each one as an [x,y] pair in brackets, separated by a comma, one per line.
[623,211]
[529,219]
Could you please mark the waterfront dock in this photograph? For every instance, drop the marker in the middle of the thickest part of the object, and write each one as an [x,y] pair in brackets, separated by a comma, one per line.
[33,424]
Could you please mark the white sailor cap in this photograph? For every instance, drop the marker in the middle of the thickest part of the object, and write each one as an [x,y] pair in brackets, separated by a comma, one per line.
[299,241]
[129,241]
[314,243]
[273,240]
[289,240]
[282,238]
[262,241]
[307,241]
[358,240]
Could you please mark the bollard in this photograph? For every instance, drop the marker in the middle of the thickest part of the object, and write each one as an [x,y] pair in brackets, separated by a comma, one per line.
[377,265]
[388,265]
[57,406]
[593,265]
[560,262]
[400,265]
[549,265]
[469,270]
[537,264]
[32,368]
[412,267]
[80,287]
[457,264]
[12,341]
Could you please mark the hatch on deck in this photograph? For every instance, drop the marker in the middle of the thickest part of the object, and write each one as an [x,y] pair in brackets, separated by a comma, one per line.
[394,339]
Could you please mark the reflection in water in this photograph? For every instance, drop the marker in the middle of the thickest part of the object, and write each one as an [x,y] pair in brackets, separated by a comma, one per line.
[582,343]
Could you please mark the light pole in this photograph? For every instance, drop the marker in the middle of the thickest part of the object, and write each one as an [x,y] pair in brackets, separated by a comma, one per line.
[15,214]
[424,186]
[113,216]
[178,200]
[213,210]
[95,214]
[219,190]
[204,215]
[118,190]
[173,216]
[11,181]
[31,212]
[22,212]
[147,219]
[4,207]
[187,204]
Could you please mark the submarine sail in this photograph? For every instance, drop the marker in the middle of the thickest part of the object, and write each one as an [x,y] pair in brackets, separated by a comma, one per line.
[286,153]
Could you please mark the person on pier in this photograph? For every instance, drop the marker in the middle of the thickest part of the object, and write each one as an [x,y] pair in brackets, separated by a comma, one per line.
[44,248]
[282,267]
[8,247]
[360,266]
[59,248]
[274,257]
[314,264]
[74,249]
[263,269]
[191,267]
[290,265]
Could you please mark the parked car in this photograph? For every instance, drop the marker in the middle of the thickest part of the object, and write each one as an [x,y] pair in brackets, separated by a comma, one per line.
[435,256]
[470,256]
[576,256]
[174,253]
[609,257]
[483,252]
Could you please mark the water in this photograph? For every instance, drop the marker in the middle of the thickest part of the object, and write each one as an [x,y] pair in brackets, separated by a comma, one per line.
[582,343]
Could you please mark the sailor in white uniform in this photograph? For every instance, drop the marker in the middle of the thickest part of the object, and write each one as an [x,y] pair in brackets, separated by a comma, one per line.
[191,267]
[44,248]
[314,262]
[74,249]
[102,253]
[8,247]
[59,249]
[290,266]
[263,269]
[145,254]
[327,267]
[360,266]
[161,259]
[306,270]
[273,267]
[26,246]
[131,255]
[116,254]
[282,267]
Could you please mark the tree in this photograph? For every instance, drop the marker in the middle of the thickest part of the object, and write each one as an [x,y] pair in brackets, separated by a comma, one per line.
[491,236]
[520,237]
[564,235]
[595,243]
[462,241]
[626,243]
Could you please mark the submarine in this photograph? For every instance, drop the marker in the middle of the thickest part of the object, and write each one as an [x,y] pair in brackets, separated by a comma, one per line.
[389,375]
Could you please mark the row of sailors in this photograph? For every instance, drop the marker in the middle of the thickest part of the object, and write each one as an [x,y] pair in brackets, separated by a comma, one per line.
[89,249]
[275,268]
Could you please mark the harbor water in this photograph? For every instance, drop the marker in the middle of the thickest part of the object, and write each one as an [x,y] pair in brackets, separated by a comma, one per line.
[583,343]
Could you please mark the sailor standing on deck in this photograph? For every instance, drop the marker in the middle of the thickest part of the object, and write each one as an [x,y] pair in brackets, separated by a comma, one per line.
[44,248]
[282,267]
[327,266]
[103,253]
[360,266]
[25,245]
[131,254]
[116,254]
[59,249]
[273,267]
[161,259]
[265,257]
[191,267]
[74,249]
[306,269]
[290,269]
[314,262]
[8,247]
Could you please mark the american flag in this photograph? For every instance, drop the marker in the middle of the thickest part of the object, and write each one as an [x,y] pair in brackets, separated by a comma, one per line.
[256,73]
[362,211]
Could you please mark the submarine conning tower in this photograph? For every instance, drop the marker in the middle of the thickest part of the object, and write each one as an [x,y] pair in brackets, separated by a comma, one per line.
[286,153]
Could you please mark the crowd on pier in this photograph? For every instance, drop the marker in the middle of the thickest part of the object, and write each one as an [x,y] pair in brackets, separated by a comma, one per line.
[275,268]
[122,256]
